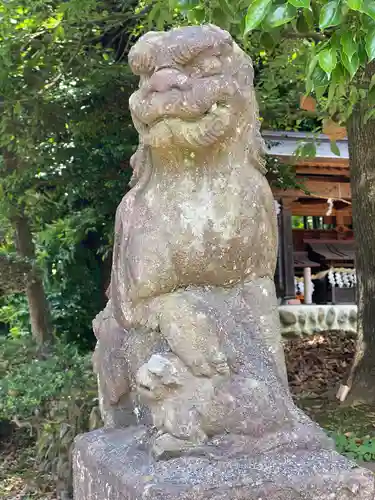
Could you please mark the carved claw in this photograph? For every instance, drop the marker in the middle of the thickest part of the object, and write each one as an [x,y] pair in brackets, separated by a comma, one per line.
[219,362]
[215,363]
[200,368]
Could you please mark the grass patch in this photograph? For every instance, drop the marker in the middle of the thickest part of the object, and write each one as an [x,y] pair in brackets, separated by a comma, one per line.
[352,428]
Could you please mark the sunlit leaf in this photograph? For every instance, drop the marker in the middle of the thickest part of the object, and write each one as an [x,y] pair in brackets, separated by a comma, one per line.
[17,108]
[348,44]
[354,4]
[370,44]
[282,14]
[320,81]
[368,8]
[199,15]
[305,4]
[327,60]
[311,67]
[307,150]
[330,14]
[351,65]
[53,22]
[257,11]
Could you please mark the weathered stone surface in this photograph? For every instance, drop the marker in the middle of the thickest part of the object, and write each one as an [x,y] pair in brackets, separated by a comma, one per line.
[331,316]
[115,465]
[287,317]
[191,333]
[321,315]
[353,317]
[342,317]
[312,317]
[302,318]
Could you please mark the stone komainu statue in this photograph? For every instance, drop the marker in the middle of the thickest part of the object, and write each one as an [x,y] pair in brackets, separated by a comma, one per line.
[191,331]
[200,213]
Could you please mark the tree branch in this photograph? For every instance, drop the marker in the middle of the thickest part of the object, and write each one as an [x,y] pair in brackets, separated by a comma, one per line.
[312,35]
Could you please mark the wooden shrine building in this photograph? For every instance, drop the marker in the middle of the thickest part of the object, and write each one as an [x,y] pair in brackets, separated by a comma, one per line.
[316,243]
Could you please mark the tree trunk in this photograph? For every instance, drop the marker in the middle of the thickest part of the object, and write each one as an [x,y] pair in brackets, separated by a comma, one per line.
[41,326]
[361,140]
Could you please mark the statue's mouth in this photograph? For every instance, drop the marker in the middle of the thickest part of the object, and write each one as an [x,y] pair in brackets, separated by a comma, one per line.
[165,118]
[202,129]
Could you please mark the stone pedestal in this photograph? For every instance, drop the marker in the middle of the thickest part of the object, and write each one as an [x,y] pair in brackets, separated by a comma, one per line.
[116,465]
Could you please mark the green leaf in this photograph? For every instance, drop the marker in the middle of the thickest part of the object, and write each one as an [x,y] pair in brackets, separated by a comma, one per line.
[330,14]
[306,149]
[282,14]
[320,81]
[334,148]
[53,22]
[227,9]
[220,18]
[257,11]
[348,44]
[369,115]
[300,4]
[310,69]
[327,60]
[338,77]
[267,40]
[368,8]
[199,15]
[371,98]
[155,11]
[354,4]
[351,65]
[370,45]
[309,17]
[331,92]
[17,108]
[367,23]
[302,25]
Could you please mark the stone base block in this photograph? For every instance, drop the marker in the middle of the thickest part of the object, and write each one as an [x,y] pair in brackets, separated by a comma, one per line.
[116,465]
[298,320]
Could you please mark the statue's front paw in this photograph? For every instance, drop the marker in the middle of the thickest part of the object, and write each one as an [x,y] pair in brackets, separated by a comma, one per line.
[215,362]
[219,363]
[167,446]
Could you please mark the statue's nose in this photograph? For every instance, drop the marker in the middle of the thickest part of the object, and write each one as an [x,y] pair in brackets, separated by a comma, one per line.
[166,79]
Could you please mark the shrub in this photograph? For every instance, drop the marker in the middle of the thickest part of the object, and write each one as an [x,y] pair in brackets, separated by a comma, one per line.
[52,392]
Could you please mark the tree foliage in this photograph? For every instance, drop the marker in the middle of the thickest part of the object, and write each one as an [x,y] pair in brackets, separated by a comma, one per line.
[64,124]
[338,39]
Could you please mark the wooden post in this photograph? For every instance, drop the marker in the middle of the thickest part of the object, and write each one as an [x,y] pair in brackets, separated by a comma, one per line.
[307,285]
[286,259]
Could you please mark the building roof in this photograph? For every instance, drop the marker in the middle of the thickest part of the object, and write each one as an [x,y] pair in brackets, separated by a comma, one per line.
[333,250]
[284,144]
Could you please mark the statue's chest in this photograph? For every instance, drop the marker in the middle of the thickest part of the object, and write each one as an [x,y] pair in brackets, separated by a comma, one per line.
[213,206]
[184,234]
